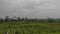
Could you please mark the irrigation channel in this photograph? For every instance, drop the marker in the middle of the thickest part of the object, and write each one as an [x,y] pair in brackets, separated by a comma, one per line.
[9,31]
[14,31]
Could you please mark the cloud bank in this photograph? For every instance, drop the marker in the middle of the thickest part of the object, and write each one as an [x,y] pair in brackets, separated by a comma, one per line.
[30,8]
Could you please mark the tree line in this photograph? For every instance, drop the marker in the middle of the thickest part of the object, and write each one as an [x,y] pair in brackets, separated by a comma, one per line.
[7,19]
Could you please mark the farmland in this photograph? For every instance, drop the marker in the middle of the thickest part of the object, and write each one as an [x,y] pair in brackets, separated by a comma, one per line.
[29,28]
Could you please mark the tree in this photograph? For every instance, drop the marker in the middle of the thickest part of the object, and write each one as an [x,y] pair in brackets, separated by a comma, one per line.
[1,20]
[26,18]
[14,18]
[18,18]
[51,19]
[7,18]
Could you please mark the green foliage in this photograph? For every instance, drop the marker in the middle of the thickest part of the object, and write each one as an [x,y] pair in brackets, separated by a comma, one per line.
[26,19]
[30,28]
[7,18]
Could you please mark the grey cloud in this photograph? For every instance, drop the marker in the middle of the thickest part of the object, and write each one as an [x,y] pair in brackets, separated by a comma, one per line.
[7,8]
[30,8]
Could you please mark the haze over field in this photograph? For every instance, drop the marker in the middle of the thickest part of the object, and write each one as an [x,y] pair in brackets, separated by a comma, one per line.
[30,8]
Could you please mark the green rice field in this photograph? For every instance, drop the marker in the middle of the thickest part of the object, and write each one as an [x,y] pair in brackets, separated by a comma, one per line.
[29,28]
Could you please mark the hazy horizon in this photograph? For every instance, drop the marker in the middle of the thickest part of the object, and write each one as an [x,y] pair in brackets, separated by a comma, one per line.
[30,8]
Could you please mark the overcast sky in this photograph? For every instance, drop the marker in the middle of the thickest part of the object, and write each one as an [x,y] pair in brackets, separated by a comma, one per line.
[30,8]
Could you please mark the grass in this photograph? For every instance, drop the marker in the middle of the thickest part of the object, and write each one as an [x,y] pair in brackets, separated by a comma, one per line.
[30,28]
